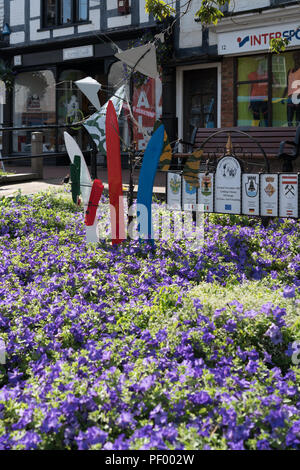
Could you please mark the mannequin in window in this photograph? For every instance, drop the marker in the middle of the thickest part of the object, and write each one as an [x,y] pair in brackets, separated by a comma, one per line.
[259,95]
[293,87]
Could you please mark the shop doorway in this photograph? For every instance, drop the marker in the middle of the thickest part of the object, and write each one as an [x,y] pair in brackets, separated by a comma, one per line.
[200,100]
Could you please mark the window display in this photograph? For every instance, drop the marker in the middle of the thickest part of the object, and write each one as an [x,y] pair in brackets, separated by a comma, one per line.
[34,105]
[266,85]
[253,91]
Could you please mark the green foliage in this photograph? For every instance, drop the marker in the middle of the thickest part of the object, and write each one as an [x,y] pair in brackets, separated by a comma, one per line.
[159,9]
[278,45]
[209,12]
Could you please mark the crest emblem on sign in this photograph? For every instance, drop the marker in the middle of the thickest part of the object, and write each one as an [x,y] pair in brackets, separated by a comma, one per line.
[206,185]
[190,189]
[270,190]
[229,167]
[289,191]
[251,186]
[175,185]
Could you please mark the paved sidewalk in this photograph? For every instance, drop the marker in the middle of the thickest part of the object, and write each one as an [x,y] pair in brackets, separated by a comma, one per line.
[54,175]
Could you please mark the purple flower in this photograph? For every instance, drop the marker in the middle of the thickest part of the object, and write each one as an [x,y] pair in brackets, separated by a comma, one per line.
[147,383]
[289,292]
[200,398]
[274,334]
[263,445]
[50,423]
[125,419]
[293,436]
[252,367]
[197,304]
[92,436]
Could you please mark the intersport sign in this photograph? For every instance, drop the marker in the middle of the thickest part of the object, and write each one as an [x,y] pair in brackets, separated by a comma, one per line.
[257,39]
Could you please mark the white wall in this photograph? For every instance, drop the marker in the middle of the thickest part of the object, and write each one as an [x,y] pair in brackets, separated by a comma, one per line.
[144,17]
[190,31]
[17,12]
[35,8]
[242,5]
[1,13]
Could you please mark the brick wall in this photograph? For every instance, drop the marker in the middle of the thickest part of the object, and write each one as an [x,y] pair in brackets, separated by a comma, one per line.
[227,111]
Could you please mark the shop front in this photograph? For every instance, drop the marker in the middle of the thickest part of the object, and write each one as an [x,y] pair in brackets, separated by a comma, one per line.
[45,93]
[265,87]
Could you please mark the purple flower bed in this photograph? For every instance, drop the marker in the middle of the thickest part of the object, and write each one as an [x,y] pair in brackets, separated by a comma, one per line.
[109,348]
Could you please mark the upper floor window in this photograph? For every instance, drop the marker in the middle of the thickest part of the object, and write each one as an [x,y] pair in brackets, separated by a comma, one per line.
[63,12]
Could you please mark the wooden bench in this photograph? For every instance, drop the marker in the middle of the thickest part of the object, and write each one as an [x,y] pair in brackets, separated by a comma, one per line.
[258,151]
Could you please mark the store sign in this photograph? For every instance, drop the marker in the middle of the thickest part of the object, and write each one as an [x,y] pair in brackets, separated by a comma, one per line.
[228,186]
[257,39]
[78,52]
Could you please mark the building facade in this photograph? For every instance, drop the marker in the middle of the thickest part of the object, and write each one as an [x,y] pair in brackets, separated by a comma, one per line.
[221,76]
[225,75]
[53,43]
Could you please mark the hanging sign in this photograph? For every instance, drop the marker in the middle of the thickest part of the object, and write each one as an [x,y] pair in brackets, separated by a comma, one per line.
[189,196]
[206,192]
[228,186]
[269,195]
[174,191]
[289,195]
[250,192]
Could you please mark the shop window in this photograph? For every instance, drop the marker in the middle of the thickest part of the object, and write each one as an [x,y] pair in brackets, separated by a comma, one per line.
[265,88]
[64,12]
[34,105]
[286,71]
[72,107]
[253,91]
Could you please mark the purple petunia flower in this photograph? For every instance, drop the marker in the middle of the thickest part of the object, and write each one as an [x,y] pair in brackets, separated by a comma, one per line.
[289,292]
[274,334]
